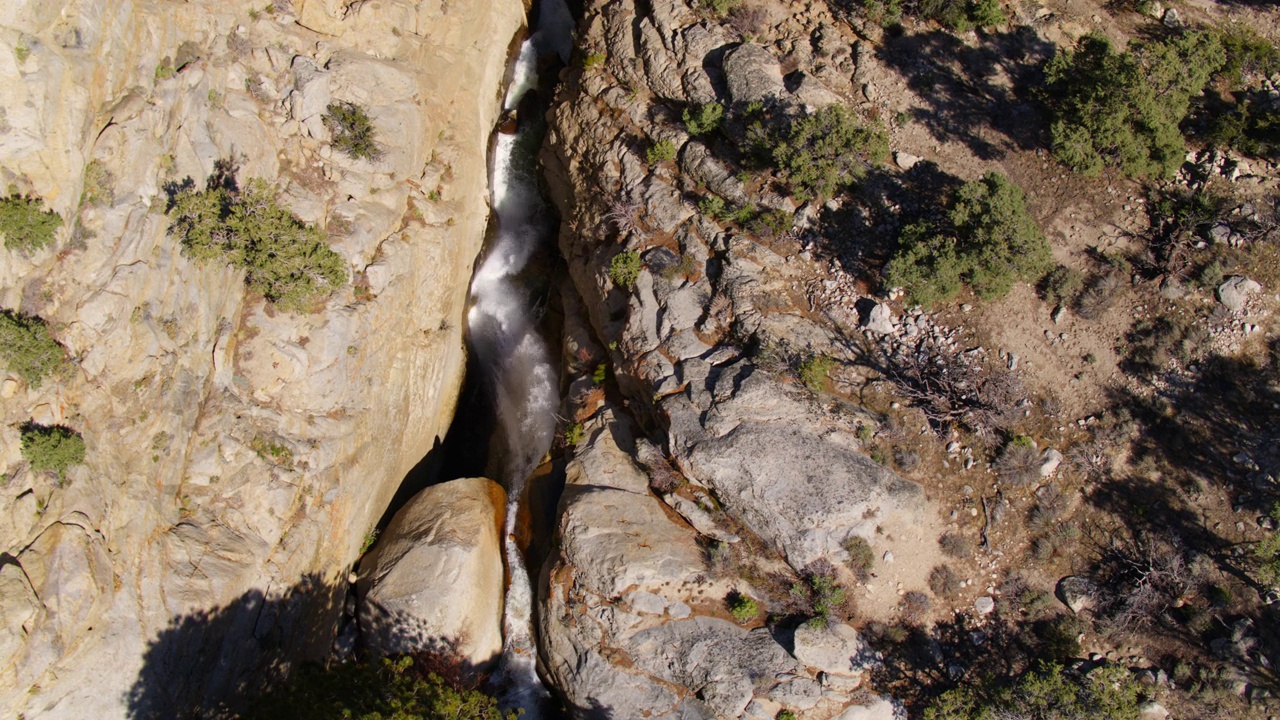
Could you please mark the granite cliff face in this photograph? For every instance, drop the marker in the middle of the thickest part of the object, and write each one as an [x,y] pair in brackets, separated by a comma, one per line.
[236,455]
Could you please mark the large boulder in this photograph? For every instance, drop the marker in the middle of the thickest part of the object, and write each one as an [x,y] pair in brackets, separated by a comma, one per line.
[833,648]
[753,74]
[1235,292]
[434,580]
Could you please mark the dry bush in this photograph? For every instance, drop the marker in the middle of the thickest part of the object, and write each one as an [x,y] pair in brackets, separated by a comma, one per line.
[1051,505]
[1100,293]
[944,582]
[1141,579]
[914,606]
[1019,463]
[749,19]
[956,545]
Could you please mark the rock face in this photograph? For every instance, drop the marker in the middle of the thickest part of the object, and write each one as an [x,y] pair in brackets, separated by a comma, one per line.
[236,454]
[634,621]
[434,580]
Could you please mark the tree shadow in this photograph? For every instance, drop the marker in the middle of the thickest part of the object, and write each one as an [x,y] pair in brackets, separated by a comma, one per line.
[971,88]
[207,664]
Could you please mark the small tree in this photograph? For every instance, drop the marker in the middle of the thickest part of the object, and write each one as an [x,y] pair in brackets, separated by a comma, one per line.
[827,151]
[660,152]
[284,259]
[54,448]
[1123,109]
[25,224]
[28,348]
[352,130]
[989,241]
[703,119]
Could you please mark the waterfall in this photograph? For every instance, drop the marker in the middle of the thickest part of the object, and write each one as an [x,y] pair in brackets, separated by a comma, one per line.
[503,325]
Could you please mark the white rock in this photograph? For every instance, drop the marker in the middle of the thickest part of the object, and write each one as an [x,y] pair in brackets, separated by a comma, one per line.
[985,605]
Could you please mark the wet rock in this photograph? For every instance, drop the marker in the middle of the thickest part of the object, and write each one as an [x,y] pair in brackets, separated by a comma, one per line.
[434,580]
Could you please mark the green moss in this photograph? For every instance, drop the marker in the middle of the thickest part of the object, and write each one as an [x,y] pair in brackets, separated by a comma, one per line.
[26,224]
[52,448]
[28,348]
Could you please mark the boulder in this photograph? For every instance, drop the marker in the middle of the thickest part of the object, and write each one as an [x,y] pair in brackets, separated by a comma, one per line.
[1050,459]
[1078,593]
[835,649]
[905,160]
[753,74]
[877,709]
[878,319]
[984,605]
[434,580]
[1236,291]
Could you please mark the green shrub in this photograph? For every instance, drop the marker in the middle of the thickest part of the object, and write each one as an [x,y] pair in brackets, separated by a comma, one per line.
[352,130]
[25,224]
[1123,109]
[719,8]
[742,607]
[712,206]
[369,539]
[593,61]
[987,14]
[660,151]
[818,588]
[624,268]
[284,259]
[54,448]
[384,688]
[814,371]
[785,715]
[1268,554]
[574,434]
[989,241]
[704,118]
[1250,128]
[827,151]
[1047,692]
[1062,285]
[1247,53]
[861,557]
[28,348]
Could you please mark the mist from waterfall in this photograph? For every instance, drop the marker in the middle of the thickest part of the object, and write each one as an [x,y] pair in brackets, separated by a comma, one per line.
[503,324]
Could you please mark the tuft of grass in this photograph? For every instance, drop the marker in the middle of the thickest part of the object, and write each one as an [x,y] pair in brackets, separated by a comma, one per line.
[815,370]
[369,539]
[861,557]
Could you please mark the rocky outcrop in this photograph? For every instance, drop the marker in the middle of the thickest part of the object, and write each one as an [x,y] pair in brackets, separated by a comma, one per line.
[236,454]
[755,455]
[434,580]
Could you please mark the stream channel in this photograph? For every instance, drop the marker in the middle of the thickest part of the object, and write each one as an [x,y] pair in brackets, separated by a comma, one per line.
[521,380]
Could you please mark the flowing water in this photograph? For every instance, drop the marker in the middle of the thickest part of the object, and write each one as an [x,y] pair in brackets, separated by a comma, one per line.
[504,330]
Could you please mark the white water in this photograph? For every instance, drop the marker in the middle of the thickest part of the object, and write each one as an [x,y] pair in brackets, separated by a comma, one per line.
[505,336]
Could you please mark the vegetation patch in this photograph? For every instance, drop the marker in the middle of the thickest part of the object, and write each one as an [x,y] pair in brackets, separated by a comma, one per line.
[624,268]
[352,130]
[815,370]
[26,224]
[825,152]
[703,119]
[52,448]
[284,259]
[1123,109]
[988,241]
[742,607]
[1047,692]
[28,348]
[660,152]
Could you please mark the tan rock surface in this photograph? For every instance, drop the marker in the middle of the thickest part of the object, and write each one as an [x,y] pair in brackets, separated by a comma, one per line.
[180,379]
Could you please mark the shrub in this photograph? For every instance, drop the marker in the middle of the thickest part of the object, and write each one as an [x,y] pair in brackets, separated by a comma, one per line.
[98,182]
[861,557]
[1019,462]
[285,260]
[704,118]
[660,151]
[1246,52]
[53,448]
[28,348]
[712,206]
[827,151]
[25,224]
[1046,692]
[956,545]
[742,607]
[944,582]
[624,268]
[1099,294]
[785,715]
[818,588]
[352,130]
[1268,554]
[382,688]
[573,434]
[1062,285]
[593,61]
[815,370]
[989,240]
[719,8]
[1123,109]
[1154,343]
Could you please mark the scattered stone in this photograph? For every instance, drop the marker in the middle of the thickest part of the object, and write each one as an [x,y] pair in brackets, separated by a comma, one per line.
[904,160]
[1049,462]
[1236,291]
[1059,313]
[1078,593]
